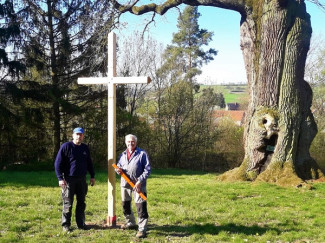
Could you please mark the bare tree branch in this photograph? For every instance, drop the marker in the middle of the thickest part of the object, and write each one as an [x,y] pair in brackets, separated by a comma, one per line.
[237,5]
[147,24]
[319,4]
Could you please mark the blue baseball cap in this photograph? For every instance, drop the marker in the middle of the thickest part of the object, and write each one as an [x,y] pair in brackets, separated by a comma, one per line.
[78,130]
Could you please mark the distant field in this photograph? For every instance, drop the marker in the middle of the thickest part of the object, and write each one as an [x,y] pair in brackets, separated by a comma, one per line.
[232,93]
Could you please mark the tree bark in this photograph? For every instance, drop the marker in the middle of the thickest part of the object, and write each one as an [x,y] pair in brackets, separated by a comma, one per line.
[280,126]
[275,38]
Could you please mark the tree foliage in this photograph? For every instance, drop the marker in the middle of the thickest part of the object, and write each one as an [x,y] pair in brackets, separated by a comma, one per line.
[56,46]
[182,120]
[186,54]
[10,71]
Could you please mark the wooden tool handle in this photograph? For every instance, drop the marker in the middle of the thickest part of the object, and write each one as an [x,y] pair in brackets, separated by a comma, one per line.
[129,181]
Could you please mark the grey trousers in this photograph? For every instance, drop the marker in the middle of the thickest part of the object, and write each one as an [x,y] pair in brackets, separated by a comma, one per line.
[75,186]
[141,205]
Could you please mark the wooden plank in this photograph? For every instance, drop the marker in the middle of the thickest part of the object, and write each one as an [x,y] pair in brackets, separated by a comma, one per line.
[115,80]
[104,80]
[111,128]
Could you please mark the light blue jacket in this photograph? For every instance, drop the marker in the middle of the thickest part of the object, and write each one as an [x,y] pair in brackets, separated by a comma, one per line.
[137,169]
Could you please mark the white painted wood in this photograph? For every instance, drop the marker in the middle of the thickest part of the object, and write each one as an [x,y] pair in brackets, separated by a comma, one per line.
[115,80]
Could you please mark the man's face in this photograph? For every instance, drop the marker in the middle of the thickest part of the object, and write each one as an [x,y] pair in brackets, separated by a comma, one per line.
[130,143]
[78,138]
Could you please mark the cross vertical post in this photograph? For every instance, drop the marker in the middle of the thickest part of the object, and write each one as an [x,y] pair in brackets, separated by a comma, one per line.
[111,128]
[111,80]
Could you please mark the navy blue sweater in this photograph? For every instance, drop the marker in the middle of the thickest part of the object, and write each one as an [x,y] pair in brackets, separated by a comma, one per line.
[73,160]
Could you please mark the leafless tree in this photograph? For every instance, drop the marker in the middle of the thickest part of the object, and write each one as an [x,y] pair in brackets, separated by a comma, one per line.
[138,56]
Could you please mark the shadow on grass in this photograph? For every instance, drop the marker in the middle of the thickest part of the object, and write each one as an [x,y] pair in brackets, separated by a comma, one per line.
[48,178]
[28,178]
[177,172]
[40,178]
[187,230]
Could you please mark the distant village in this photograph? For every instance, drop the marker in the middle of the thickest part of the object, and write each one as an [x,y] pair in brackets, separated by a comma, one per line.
[231,112]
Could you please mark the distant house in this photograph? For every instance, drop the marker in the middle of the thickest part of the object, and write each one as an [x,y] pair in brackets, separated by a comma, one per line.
[236,116]
[232,106]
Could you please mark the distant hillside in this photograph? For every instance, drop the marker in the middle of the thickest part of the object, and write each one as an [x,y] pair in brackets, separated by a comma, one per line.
[232,93]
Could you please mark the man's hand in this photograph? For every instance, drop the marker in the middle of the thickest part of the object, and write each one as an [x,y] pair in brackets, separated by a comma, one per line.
[92,181]
[62,184]
[137,187]
[119,170]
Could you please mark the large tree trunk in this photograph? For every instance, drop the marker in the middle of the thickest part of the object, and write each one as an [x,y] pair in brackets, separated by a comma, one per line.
[280,126]
[275,38]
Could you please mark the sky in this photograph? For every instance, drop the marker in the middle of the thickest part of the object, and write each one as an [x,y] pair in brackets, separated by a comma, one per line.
[228,65]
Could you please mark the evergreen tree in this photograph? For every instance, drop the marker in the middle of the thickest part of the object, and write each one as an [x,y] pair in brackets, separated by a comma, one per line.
[186,55]
[62,40]
[221,100]
[10,71]
[68,48]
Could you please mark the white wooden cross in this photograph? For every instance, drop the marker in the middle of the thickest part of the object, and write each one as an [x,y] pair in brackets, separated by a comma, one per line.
[111,80]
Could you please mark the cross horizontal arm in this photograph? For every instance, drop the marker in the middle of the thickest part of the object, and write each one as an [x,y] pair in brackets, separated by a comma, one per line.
[115,80]
[93,80]
[131,80]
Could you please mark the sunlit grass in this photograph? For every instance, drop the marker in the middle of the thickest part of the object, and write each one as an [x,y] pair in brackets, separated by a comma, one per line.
[184,206]
[230,97]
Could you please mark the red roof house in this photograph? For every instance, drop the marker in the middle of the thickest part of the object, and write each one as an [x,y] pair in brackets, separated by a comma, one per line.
[236,116]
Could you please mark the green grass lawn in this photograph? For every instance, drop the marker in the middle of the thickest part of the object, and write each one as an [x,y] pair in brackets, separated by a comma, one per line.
[184,206]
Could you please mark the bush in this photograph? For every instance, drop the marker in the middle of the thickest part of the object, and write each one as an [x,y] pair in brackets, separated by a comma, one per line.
[317,149]
[230,144]
[227,153]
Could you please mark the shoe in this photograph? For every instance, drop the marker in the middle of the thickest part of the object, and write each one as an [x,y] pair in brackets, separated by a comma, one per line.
[128,226]
[141,234]
[84,227]
[66,228]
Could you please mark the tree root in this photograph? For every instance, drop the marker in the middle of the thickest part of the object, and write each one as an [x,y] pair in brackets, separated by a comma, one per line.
[283,175]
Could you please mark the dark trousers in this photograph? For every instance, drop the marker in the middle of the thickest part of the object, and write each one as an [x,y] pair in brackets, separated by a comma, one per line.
[75,186]
[126,195]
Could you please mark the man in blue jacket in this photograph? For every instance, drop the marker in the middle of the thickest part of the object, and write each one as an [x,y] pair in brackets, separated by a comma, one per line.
[135,163]
[71,165]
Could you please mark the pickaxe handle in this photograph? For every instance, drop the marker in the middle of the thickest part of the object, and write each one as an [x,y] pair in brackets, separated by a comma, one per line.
[129,181]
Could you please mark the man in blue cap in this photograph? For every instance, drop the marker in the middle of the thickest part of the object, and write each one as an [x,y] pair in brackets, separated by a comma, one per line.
[71,165]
